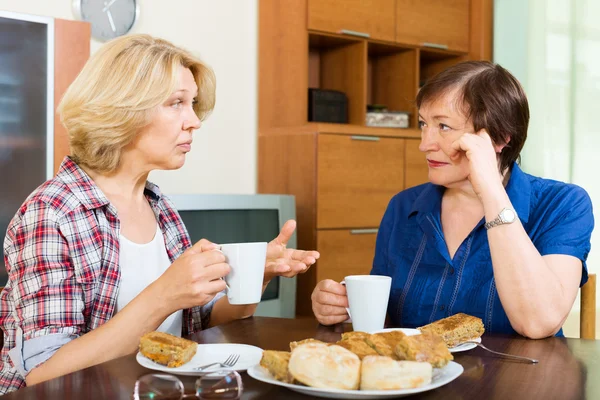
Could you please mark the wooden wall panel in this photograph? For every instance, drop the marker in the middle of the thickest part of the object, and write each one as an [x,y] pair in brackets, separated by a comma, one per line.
[282,63]
[287,165]
[71,52]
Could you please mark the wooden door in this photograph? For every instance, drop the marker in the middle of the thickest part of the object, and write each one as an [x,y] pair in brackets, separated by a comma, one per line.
[434,23]
[371,17]
[345,252]
[356,178]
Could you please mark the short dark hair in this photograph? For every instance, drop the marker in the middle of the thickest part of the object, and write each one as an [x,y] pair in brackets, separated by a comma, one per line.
[492,99]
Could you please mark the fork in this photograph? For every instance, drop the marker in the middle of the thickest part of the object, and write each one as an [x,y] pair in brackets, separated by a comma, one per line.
[229,362]
[527,359]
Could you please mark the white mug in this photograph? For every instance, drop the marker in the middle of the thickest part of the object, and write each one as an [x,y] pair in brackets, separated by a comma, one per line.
[245,280]
[368,297]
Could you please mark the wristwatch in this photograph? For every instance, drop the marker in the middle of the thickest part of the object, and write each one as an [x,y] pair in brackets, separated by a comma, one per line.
[506,216]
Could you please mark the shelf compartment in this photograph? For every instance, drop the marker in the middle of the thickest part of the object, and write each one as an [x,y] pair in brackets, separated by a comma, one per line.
[434,61]
[340,63]
[392,77]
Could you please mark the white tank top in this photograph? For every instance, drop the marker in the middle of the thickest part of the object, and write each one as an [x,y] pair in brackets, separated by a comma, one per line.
[142,264]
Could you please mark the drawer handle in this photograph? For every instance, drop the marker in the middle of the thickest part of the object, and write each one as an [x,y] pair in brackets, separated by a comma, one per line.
[363,231]
[436,45]
[365,138]
[354,33]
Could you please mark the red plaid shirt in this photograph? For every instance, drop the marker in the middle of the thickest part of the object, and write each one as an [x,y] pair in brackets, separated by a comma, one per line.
[62,257]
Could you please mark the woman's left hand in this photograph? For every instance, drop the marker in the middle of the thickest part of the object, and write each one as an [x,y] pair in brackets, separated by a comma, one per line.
[483,162]
[282,261]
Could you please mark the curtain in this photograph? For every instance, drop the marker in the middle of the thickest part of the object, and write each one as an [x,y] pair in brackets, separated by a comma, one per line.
[553,48]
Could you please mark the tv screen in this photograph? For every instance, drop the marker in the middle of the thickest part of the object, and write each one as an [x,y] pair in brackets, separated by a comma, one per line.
[23,122]
[235,226]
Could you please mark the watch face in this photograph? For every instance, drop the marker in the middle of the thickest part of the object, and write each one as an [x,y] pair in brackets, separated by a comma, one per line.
[109,18]
[508,215]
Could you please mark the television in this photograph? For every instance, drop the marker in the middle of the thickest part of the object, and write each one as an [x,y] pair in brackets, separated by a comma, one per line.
[232,218]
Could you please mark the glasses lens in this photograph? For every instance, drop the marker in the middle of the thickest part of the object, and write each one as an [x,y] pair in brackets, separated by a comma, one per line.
[158,387]
[220,385]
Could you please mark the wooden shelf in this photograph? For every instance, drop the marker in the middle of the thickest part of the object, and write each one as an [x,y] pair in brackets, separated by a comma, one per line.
[342,129]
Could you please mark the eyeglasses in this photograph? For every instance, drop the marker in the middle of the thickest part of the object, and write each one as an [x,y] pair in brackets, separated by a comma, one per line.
[215,385]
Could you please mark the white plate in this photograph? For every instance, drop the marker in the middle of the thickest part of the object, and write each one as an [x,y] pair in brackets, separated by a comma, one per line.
[209,353]
[411,332]
[465,346]
[440,378]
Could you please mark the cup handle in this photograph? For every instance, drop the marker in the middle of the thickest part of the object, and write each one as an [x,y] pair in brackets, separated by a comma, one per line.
[220,249]
[347,308]
[226,285]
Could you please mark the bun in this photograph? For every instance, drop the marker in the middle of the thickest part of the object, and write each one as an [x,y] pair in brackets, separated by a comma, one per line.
[166,349]
[322,366]
[293,345]
[383,373]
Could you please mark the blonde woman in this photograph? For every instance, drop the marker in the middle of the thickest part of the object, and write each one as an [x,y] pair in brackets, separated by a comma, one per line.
[68,303]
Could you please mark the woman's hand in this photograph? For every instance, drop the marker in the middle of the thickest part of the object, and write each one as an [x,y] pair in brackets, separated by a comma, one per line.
[483,162]
[329,302]
[194,278]
[282,261]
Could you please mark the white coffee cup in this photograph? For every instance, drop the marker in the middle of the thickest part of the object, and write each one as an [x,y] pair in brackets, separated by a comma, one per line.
[368,297]
[245,280]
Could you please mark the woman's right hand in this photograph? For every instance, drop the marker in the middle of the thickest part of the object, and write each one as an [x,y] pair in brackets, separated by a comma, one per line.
[329,302]
[194,278]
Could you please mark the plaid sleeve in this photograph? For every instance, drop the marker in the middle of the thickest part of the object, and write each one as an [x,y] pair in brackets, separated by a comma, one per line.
[47,298]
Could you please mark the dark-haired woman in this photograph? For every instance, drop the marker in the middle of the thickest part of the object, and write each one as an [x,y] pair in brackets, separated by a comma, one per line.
[482,237]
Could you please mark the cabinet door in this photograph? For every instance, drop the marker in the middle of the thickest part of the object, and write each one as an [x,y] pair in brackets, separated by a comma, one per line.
[345,252]
[443,23]
[373,17]
[416,166]
[356,178]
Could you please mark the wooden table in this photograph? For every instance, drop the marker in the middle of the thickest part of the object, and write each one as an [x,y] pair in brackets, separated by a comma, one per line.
[568,368]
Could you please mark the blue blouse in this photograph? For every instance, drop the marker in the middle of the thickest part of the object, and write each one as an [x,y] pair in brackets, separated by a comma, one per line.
[428,285]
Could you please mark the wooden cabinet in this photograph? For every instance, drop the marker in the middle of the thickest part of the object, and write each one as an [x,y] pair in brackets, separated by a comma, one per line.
[356,178]
[343,183]
[344,175]
[434,23]
[374,18]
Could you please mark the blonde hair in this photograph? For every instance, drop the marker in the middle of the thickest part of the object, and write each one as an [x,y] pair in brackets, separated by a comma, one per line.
[116,92]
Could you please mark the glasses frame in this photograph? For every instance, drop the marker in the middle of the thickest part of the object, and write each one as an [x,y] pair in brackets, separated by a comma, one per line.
[224,374]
